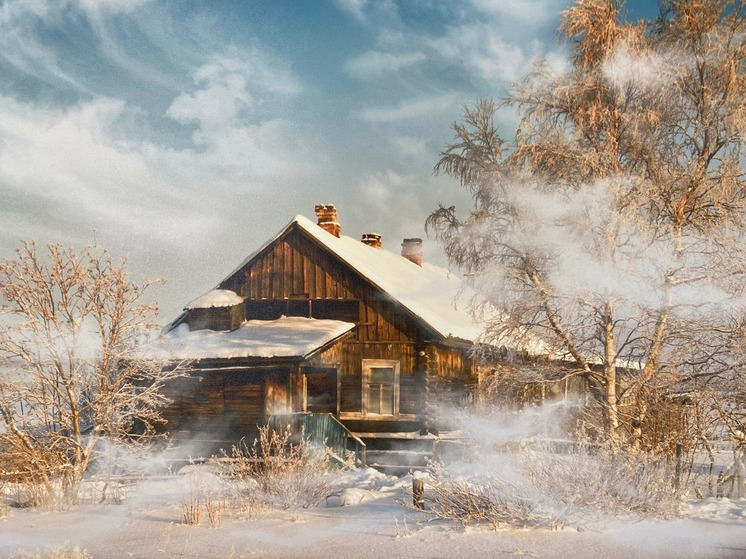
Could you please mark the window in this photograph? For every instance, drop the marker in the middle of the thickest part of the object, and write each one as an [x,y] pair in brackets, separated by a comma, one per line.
[272,309]
[380,387]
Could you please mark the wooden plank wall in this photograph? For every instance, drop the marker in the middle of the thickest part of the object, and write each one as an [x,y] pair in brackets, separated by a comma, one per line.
[450,380]
[349,356]
[295,268]
[227,403]
[244,400]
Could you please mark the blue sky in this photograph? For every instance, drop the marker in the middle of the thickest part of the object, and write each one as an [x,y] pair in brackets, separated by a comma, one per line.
[186,133]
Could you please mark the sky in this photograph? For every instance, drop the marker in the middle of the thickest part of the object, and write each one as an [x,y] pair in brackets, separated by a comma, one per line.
[187,133]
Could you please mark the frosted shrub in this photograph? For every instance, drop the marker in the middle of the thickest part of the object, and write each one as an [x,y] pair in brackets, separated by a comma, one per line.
[593,481]
[281,471]
[492,501]
[207,493]
[545,488]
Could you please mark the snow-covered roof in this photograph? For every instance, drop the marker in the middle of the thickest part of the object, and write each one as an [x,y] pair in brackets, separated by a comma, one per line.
[215,298]
[284,337]
[429,292]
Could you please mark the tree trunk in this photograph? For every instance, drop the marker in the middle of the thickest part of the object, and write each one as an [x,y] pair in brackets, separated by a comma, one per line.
[611,404]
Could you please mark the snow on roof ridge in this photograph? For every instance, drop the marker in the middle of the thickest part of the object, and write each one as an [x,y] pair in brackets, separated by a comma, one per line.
[428,291]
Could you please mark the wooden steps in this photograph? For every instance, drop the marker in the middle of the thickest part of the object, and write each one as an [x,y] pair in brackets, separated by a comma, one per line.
[399,452]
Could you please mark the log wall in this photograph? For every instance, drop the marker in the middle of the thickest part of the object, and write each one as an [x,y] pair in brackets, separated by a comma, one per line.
[227,403]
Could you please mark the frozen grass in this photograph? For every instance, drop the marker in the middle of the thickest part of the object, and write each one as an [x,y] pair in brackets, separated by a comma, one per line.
[4,504]
[208,496]
[281,470]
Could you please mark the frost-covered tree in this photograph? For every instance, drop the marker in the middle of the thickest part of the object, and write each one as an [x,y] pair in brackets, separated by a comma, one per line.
[612,224]
[73,379]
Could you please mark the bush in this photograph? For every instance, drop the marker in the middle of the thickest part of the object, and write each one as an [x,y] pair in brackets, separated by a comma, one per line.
[281,470]
[539,486]
[208,493]
[487,501]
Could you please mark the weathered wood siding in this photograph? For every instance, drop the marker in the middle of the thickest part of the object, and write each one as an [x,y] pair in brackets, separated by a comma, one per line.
[449,379]
[295,276]
[293,267]
[227,404]
[218,318]
[244,400]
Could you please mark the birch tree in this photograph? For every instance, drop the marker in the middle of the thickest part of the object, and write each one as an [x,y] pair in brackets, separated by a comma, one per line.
[72,372]
[611,224]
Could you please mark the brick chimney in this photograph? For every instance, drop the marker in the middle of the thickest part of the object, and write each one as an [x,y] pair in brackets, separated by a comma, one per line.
[372,240]
[327,219]
[411,249]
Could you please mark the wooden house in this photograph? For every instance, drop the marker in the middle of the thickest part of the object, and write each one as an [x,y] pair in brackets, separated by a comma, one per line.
[315,322]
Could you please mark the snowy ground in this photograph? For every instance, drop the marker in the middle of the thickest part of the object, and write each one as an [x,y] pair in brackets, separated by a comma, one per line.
[366,520]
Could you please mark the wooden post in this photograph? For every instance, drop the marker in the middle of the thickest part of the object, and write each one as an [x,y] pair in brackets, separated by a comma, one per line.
[418,493]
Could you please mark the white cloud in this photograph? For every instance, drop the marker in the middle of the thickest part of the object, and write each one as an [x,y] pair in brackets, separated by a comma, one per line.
[501,61]
[407,109]
[181,213]
[229,89]
[396,206]
[263,140]
[525,11]
[234,140]
[485,51]
[74,160]
[374,64]
[223,96]
[377,189]
[113,6]
[353,7]
[69,159]
[410,147]
[13,10]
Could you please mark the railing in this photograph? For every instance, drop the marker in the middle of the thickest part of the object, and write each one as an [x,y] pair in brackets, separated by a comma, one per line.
[323,428]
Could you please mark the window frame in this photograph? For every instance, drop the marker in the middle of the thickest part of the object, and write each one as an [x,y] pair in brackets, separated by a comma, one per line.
[367,366]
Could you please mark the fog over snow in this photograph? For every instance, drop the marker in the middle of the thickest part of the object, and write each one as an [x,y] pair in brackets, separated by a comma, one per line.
[187,133]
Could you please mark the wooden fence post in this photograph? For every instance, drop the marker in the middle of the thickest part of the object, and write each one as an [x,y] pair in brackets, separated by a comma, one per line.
[677,475]
[418,493]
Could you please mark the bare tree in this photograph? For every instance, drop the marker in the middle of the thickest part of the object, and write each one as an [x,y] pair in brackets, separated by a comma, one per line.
[72,373]
[612,226]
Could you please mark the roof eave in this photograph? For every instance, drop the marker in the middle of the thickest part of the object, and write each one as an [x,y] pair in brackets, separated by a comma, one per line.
[328,344]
